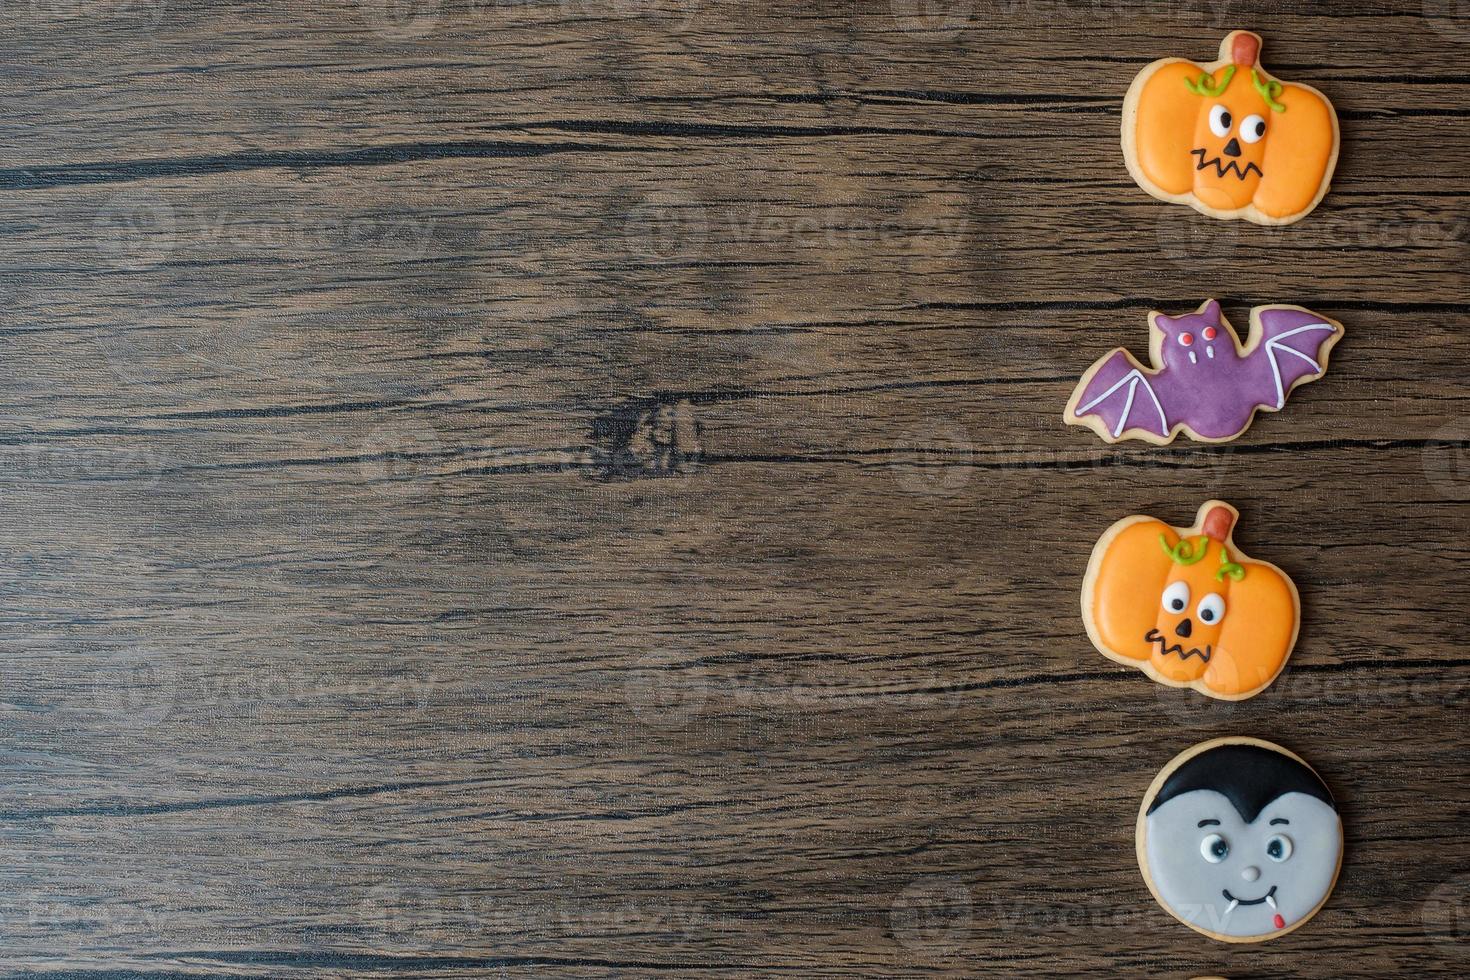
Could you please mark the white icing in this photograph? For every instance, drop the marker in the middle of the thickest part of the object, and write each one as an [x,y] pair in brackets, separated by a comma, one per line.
[1275,346]
[1241,894]
[1133,379]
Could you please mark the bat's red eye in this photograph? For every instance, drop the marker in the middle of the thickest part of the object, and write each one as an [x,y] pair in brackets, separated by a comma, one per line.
[1186,339]
[1211,333]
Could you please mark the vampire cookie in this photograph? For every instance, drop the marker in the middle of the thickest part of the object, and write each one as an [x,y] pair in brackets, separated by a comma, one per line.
[1240,840]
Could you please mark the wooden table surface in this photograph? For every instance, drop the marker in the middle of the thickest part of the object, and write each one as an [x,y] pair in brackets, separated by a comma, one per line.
[513,488]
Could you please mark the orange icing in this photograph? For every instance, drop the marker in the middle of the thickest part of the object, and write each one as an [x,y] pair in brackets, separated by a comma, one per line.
[1292,163]
[1247,646]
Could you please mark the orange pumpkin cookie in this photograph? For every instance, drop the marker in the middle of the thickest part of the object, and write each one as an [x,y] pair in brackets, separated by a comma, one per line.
[1227,138]
[1189,608]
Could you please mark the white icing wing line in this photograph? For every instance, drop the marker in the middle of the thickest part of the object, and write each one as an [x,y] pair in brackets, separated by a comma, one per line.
[1274,345]
[1133,379]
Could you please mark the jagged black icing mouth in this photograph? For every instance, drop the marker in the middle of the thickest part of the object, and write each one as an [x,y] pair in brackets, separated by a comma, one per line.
[1222,168]
[1154,636]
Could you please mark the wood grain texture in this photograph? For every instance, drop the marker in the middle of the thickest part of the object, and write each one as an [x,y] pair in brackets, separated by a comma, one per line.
[565,489]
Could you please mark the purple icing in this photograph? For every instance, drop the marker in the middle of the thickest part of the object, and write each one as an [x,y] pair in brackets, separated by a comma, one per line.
[1204,384]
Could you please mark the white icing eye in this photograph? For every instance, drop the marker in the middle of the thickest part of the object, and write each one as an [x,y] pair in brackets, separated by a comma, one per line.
[1220,120]
[1278,848]
[1211,609]
[1214,848]
[1176,597]
[1253,129]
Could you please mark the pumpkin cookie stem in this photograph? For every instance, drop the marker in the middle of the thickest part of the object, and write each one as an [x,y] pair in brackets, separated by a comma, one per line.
[1218,523]
[1245,49]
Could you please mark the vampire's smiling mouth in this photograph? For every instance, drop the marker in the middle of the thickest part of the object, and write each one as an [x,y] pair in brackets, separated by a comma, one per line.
[1222,168]
[1154,636]
[1268,897]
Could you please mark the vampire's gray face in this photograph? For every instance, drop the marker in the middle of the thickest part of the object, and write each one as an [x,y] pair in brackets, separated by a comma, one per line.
[1217,872]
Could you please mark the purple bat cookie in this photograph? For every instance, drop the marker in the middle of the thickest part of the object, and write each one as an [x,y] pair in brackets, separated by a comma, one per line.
[1203,382]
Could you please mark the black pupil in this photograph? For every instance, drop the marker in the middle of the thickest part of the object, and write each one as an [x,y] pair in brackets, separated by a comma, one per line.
[1206,615]
[1274,848]
[1260,130]
[1176,605]
[1220,848]
[1225,120]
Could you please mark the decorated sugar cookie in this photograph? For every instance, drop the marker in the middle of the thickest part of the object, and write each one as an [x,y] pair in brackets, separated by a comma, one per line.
[1189,608]
[1202,381]
[1239,839]
[1227,138]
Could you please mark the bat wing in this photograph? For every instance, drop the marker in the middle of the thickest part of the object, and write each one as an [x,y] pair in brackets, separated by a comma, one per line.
[1115,396]
[1295,343]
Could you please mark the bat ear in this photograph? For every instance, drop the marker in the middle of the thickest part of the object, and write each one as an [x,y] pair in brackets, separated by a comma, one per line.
[1211,313]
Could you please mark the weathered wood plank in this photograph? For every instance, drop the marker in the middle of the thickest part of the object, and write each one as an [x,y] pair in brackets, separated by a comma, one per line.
[530,489]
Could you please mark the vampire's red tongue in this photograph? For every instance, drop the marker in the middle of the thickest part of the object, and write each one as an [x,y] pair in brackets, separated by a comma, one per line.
[1280,922]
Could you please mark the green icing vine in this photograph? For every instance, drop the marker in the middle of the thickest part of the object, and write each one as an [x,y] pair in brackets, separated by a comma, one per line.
[1270,91]
[1228,567]
[1185,553]
[1205,85]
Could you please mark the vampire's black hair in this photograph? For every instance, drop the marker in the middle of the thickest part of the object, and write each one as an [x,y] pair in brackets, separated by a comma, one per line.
[1249,776]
